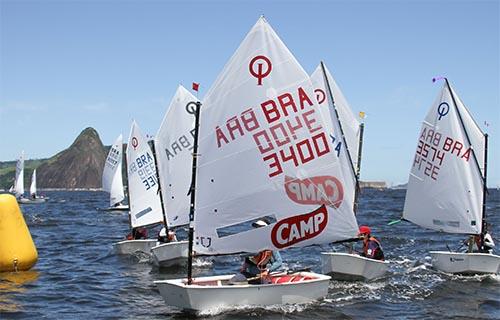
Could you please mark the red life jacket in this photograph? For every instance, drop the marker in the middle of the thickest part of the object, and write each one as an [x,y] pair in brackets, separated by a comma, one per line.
[377,253]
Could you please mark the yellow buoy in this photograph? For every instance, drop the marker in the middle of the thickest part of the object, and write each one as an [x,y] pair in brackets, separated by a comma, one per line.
[17,249]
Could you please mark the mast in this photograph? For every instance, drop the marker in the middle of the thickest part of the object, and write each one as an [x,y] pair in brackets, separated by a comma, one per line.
[465,131]
[485,188]
[193,108]
[343,137]
[159,187]
[358,169]
[124,158]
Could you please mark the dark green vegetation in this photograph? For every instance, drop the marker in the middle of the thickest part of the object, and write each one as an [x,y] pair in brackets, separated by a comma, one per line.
[8,172]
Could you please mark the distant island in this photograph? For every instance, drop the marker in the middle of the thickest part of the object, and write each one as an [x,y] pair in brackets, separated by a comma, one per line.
[373,184]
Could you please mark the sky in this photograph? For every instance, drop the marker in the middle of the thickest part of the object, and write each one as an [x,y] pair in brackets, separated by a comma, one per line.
[68,65]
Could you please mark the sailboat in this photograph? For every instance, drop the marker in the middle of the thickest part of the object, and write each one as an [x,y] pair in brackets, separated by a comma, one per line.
[173,145]
[144,201]
[34,197]
[19,184]
[447,184]
[347,138]
[262,142]
[112,180]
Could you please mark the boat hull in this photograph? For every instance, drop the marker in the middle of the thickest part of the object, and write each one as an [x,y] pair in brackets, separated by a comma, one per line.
[465,263]
[132,246]
[31,201]
[345,266]
[170,254]
[209,293]
[117,208]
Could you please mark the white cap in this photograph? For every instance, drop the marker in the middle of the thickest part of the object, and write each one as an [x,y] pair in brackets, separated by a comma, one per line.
[163,232]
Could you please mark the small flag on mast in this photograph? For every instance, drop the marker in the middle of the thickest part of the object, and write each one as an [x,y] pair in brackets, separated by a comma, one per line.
[196,86]
[362,114]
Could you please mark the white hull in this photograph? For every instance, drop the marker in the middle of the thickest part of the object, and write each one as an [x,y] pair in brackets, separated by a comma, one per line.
[122,207]
[465,263]
[209,293]
[169,254]
[345,266]
[132,246]
[31,201]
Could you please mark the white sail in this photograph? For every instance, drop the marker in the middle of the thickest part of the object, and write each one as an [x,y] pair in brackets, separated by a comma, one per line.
[350,123]
[174,144]
[19,183]
[340,112]
[445,188]
[144,199]
[112,180]
[33,184]
[265,151]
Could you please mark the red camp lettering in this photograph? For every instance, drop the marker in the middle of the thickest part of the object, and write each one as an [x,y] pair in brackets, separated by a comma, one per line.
[299,228]
[326,190]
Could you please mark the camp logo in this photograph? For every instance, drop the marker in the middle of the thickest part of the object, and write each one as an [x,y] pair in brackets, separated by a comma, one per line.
[315,190]
[299,228]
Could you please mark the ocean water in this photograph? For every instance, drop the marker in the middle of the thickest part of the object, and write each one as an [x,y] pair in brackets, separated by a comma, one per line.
[78,275]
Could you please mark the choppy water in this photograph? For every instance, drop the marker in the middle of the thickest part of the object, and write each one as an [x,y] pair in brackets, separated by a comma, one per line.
[78,276]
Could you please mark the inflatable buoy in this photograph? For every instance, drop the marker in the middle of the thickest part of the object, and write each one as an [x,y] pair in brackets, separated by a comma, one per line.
[17,249]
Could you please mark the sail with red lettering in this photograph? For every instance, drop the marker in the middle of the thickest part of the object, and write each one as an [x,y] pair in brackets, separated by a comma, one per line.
[445,187]
[174,144]
[144,199]
[346,128]
[350,123]
[265,152]
[112,180]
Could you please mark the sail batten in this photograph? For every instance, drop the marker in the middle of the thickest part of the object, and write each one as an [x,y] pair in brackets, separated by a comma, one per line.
[445,187]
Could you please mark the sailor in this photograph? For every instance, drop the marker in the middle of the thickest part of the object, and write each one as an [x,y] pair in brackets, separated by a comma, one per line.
[163,237]
[487,245]
[256,268]
[138,233]
[371,246]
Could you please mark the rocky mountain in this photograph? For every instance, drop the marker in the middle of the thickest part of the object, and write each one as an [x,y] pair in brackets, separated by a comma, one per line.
[79,166]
